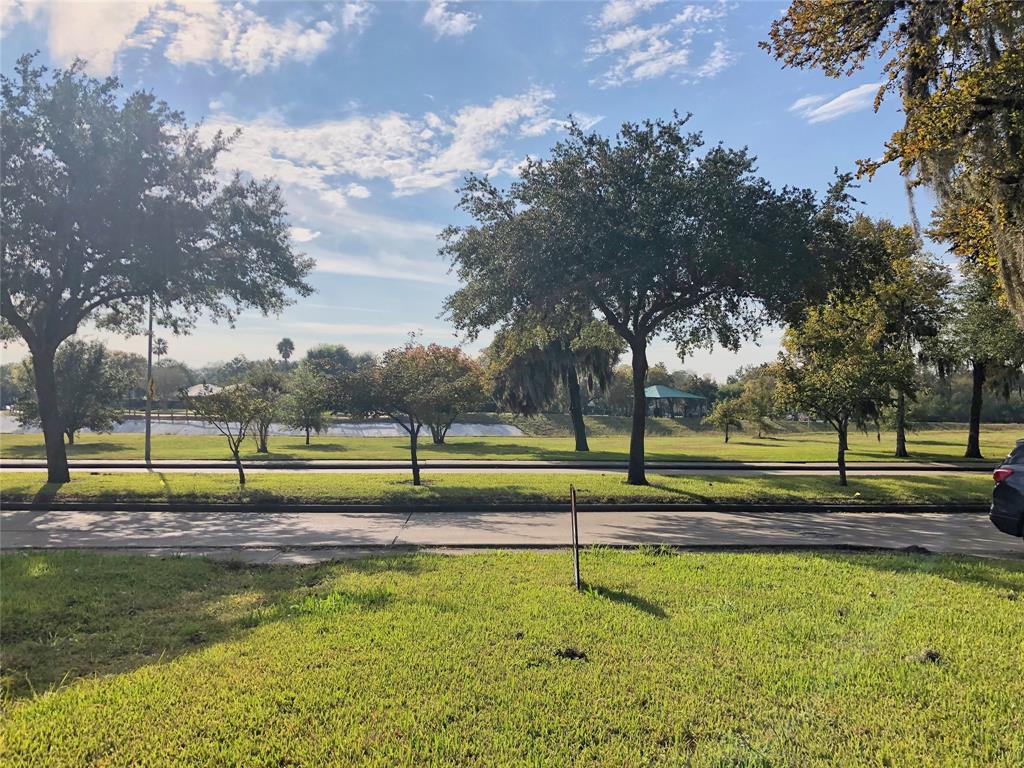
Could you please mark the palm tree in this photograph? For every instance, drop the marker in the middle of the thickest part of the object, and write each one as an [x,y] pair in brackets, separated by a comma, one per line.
[285,347]
[159,348]
[527,365]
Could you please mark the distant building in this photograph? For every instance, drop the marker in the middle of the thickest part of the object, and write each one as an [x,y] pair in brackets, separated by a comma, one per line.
[202,390]
[665,401]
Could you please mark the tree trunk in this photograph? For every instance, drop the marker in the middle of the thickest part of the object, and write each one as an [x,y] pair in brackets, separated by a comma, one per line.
[841,456]
[579,429]
[414,433]
[263,435]
[901,425]
[437,434]
[844,441]
[49,417]
[71,436]
[726,433]
[977,395]
[241,472]
[636,474]
[307,435]
[149,386]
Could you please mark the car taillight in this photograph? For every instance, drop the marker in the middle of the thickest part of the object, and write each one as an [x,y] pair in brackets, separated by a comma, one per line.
[1001,474]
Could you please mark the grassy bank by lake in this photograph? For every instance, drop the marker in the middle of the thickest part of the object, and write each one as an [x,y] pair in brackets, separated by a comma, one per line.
[931,444]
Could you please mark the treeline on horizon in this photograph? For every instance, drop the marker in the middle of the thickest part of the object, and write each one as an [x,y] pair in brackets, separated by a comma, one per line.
[942,398]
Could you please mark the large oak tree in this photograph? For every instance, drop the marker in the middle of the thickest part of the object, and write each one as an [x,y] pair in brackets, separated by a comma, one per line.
[647,230]
[957,67]
[112,199]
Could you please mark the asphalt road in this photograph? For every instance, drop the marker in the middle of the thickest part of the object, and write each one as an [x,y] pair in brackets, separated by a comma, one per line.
[733,468]
[320,535]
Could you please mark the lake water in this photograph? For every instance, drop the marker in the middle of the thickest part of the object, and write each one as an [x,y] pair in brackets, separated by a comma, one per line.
[9,425]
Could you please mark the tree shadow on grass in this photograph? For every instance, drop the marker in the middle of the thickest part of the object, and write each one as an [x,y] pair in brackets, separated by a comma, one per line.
[685,495]
[72,615]
[80,450]
[47,492]
[626,598]
[1007,576]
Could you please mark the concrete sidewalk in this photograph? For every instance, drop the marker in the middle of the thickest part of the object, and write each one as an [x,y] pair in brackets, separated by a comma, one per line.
[317,535]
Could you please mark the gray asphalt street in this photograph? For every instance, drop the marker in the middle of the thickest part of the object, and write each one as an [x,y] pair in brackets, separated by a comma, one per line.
[736,468]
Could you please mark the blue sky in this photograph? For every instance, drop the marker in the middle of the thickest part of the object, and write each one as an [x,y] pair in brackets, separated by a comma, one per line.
[370,114]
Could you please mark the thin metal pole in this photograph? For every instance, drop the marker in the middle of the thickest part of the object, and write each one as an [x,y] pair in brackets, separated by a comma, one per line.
[575,537]
[149,381]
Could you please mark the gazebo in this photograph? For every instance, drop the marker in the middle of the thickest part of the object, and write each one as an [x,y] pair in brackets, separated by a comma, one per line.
[661,401]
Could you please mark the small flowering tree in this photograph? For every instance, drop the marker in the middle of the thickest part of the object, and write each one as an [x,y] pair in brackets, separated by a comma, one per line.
[231,410]
[416,385]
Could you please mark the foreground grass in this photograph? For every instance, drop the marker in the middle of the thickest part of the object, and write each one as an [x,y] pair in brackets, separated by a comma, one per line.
[696,659]
[932,444]
[440,487]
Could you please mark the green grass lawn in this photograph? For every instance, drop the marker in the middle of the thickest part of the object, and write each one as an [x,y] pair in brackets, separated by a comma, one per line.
[694,659]
[440,487]
[931,444]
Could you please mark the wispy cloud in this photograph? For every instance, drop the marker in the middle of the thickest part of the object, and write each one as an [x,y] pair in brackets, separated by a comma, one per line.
[719,59]
[355,15]
[386,266]
[304,234]
[638,52]
[370,329]
[618,12]
[412,154]
[447,22]
[821,109]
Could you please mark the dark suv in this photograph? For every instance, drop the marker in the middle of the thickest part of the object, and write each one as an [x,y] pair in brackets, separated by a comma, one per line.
[1008,496]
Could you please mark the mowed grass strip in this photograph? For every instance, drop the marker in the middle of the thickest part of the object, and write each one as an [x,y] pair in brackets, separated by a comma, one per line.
[693,659]
[924,445]
[490,488]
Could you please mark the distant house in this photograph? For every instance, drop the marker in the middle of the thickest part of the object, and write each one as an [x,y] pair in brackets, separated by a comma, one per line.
[202,390]
[668,401]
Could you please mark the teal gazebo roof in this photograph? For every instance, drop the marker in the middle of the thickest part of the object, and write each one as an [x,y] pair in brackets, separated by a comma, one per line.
[663,392]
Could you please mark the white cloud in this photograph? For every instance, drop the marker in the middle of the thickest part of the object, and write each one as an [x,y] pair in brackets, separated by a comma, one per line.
[807,103]
[96,32]
[357,190]
[320,166]
[412,154]
[231,34]
[719,59]
[446,22]
[355,15]
[371,329]
[388,266]
[325,169]
[304,234]
[237,37]
[817,110]
[618,12]
[14,12]
[640,52]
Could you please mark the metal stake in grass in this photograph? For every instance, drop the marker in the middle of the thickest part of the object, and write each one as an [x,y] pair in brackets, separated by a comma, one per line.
[575,537]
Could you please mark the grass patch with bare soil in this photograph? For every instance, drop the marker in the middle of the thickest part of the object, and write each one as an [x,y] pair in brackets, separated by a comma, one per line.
[695,659]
